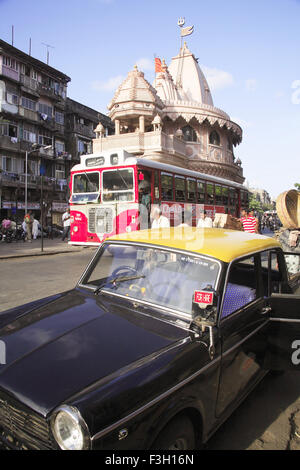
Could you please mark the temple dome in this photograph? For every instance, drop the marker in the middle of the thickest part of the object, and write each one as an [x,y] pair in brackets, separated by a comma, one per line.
[135,95]
[189,78]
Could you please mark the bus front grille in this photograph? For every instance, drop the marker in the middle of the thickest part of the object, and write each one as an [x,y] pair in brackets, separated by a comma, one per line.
[101,220]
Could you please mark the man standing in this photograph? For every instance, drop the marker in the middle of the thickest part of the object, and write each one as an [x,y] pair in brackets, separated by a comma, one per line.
[204,221]
[249,222]
[159,220]
[66,223]
[28,219]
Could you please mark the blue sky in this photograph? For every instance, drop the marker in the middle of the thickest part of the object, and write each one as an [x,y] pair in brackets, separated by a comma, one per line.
[248,50]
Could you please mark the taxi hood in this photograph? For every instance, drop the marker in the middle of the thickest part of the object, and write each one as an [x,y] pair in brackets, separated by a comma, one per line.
[60,347]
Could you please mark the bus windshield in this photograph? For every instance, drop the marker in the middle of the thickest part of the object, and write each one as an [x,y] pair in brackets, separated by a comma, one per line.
[86,187]
[118,185]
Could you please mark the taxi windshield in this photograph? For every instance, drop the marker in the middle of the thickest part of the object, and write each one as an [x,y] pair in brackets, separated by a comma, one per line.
[153,275]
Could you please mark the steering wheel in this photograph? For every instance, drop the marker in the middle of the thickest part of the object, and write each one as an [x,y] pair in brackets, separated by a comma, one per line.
[124,268]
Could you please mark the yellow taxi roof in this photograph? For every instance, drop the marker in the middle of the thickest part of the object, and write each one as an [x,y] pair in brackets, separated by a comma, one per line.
[222,244]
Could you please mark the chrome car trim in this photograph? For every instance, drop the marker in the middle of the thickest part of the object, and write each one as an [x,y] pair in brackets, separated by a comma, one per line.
[285,320]
[178,313]
[244,339]
[143,408]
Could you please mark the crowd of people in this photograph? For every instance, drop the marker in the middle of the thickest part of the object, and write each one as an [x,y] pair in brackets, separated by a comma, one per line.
[251,221]
[30,228]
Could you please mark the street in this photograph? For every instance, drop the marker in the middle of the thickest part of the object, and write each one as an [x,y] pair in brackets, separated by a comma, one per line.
[266,420]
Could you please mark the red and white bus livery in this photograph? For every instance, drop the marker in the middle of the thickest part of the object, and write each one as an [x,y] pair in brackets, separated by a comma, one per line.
[115,192]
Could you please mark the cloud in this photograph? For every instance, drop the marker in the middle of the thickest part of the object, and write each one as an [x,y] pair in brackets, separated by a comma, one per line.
[110,84]
[145,64]
[251,84]
[217,78]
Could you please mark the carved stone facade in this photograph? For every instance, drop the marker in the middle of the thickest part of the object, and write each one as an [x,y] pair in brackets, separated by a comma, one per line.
[174,121]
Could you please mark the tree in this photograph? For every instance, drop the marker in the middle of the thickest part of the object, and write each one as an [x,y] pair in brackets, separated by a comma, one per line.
[297,186]
[254,204]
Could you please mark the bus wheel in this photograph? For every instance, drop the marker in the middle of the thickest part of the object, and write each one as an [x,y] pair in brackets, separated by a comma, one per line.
[177,435]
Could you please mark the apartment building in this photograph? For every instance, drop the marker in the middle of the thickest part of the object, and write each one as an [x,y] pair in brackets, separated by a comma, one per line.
[42,135]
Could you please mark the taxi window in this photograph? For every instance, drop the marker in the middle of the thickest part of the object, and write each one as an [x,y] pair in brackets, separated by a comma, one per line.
[271,274]
[241,287]
[153,275]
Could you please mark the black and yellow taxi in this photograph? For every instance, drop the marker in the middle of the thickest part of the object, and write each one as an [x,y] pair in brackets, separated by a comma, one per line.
[166,332]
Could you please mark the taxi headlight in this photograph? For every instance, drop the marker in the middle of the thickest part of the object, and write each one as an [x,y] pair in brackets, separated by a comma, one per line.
[69,429]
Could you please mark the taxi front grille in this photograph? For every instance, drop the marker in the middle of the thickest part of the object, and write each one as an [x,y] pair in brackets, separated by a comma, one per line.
[20,429]
[101,220]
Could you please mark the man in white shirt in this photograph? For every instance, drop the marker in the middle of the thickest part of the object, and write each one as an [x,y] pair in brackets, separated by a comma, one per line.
[159,220]
[66,223]
[204,221]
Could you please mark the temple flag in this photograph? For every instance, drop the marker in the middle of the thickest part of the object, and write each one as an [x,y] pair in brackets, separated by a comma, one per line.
[187,31]
[157,65]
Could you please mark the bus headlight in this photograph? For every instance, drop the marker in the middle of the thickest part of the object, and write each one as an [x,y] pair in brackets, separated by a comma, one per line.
[128,228]
[69,429]
[75,229]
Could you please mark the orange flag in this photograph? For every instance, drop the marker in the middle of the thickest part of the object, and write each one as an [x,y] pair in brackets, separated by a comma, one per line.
[157,65]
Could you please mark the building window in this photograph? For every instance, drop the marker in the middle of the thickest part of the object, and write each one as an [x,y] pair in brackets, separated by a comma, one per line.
[83,147]
[59,147]
[29,136]
[45,109]
[45,137]
[59,118]
[214,138]
[34,75]
[189,134]
[11,63]
[9,129]
[12,98]
[28,104]
[9,164]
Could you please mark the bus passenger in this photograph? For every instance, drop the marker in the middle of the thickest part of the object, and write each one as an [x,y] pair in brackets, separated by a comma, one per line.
[159,220]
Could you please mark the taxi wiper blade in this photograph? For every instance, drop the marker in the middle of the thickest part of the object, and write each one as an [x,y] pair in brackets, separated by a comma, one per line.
[119,279]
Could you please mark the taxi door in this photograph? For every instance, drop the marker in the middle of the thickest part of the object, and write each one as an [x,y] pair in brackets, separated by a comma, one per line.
[283,333]
[242,330]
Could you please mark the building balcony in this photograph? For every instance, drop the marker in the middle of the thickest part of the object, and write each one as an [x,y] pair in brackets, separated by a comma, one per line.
[51,93]
[83,130]
[9,143]
[10,73]
[28,114]
[142,142]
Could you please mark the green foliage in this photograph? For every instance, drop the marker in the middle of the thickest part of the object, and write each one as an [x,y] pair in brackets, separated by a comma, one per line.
[297,186]
[254,204]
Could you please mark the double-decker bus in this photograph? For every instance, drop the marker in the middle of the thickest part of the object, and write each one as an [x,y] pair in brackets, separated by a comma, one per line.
[110,192]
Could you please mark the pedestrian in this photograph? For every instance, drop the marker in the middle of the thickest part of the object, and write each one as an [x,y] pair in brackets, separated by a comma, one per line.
[159,220]
[35,228]
[249,222]
[205,221]
[28,219]
[66,223]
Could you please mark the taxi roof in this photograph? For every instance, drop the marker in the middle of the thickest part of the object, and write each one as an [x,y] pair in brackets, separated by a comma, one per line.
[225,245]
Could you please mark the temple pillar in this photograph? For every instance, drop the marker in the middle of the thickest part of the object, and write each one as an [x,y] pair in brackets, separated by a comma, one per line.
[117,126]
[142,123]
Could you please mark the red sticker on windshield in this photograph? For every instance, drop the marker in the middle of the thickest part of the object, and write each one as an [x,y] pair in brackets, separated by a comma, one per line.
[203,297]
